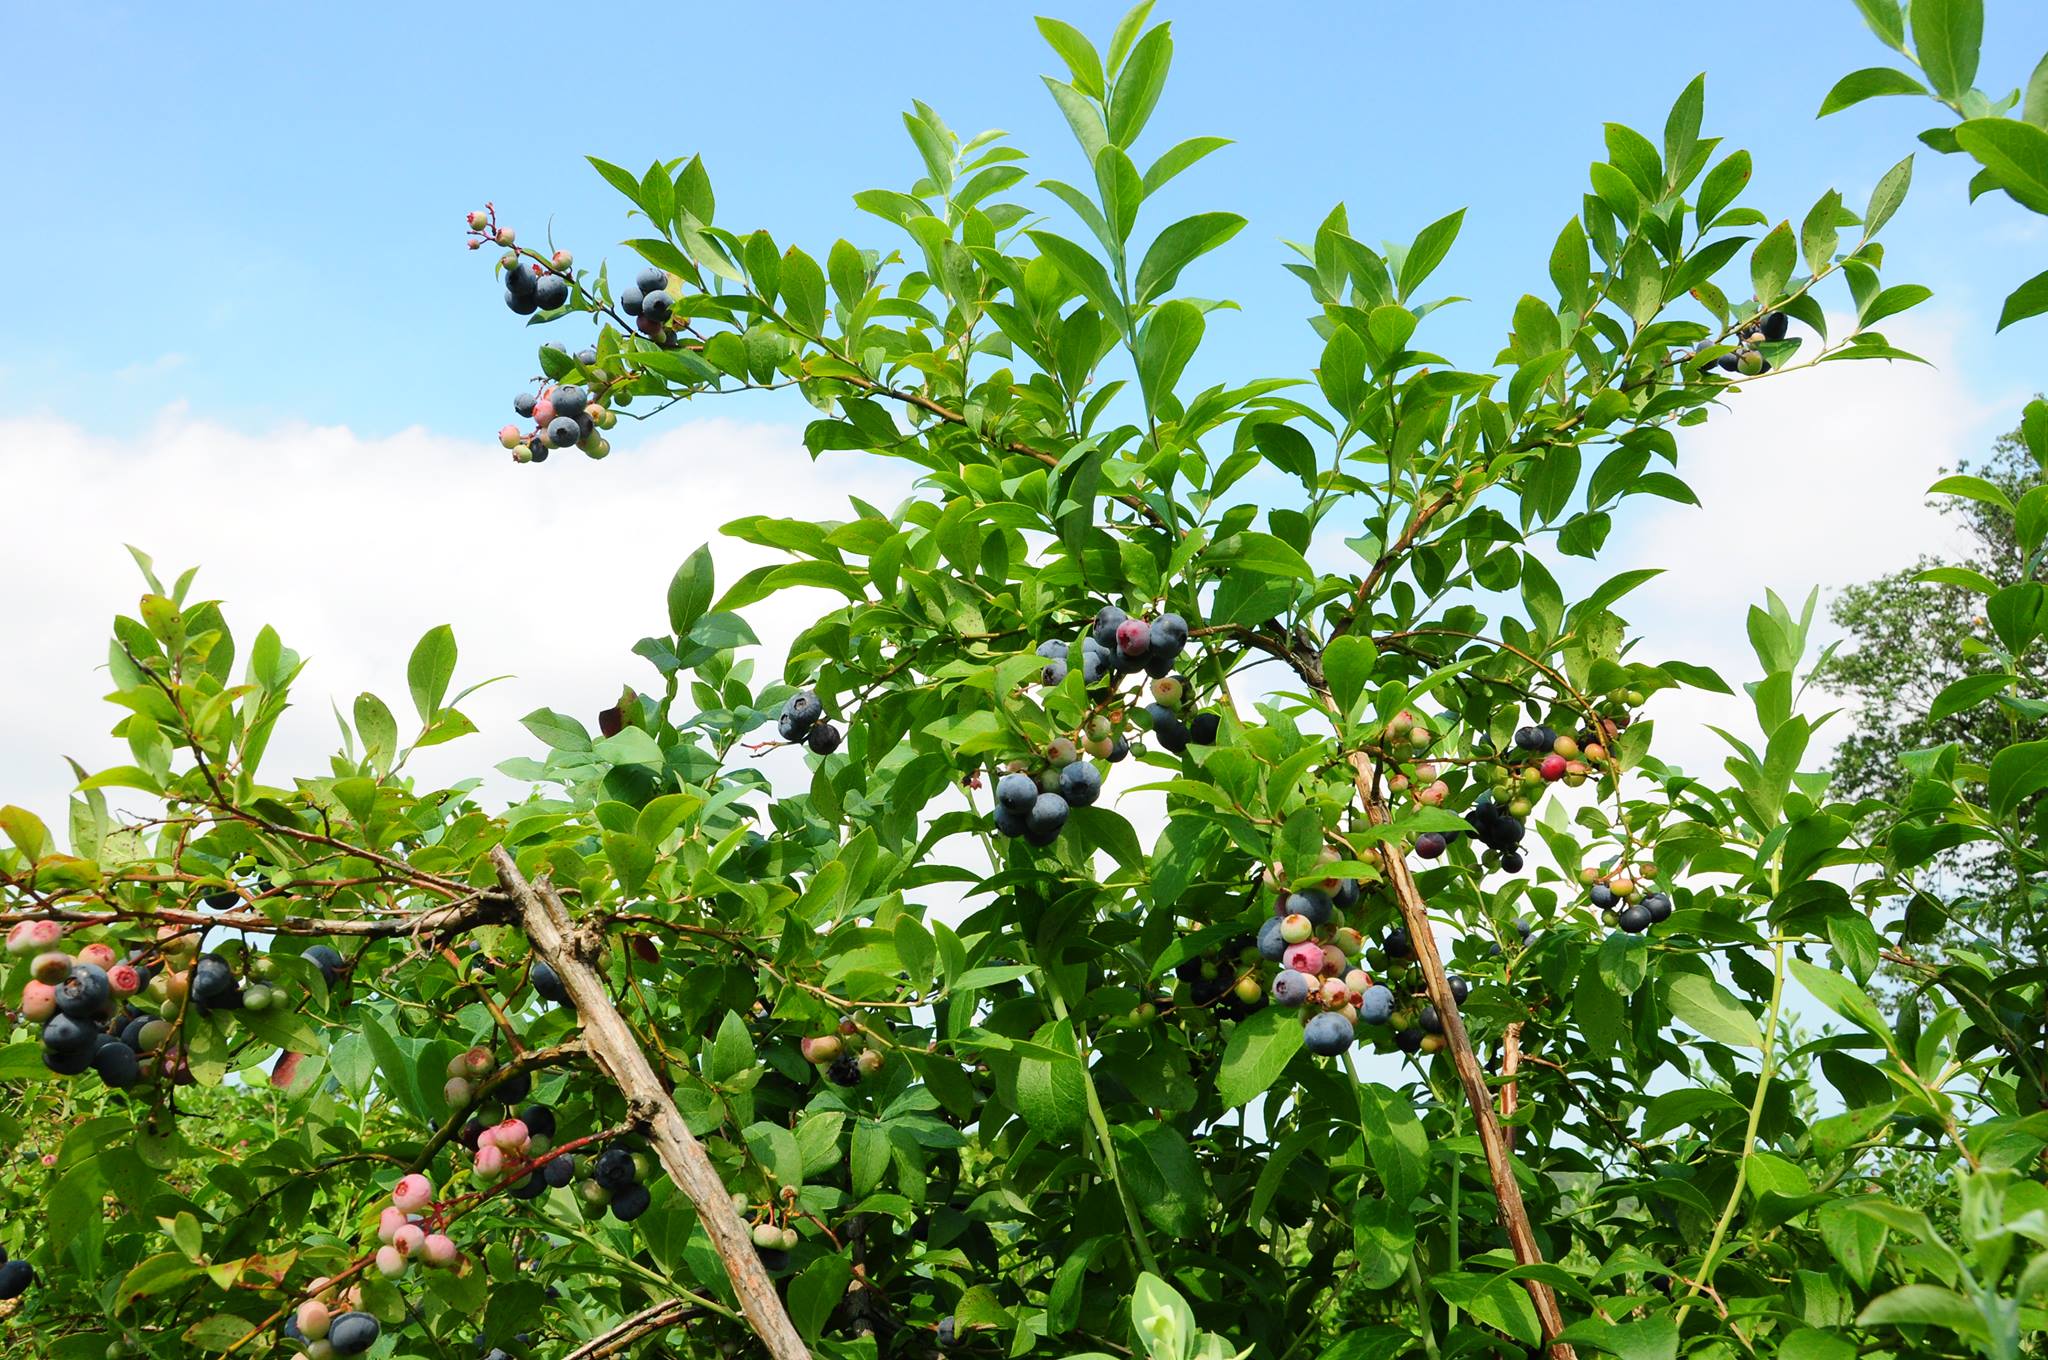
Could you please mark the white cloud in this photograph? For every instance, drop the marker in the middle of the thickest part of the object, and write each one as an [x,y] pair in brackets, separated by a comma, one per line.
[1815,479]
[353,547]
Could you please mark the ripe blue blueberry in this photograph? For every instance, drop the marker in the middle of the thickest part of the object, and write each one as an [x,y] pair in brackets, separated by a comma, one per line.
[559,1172]
[630,1203]
[213,984]
[1326,1034]
[522,406]
[1053,650]
[85,993]
[1431,1022]
[824,739]
[520,280]
[550,291]
[614,1169]
[629,301]
[1202,729]
[1291,988]
[1271,945]
[117,1064]
[1167,728]
[1398,945]
[1376,1005]
[1118,749]
[1096,666]
[1601,896]
[1017,792]
[563,431]
[1169,634]
[547,983]
[353,1333]
[569,400]
[1431,844]
[1048,815]
[1053,672]
[1012,823]
[15,1278]
[1080,783]
[587,357]
[651,280]
[1346,896]
[1107,620]
[1460,989]
[1635,918]
[521,304]
[657,305]
[1312,903]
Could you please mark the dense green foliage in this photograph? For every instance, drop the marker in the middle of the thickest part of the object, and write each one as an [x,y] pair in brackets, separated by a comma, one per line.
[996,1107]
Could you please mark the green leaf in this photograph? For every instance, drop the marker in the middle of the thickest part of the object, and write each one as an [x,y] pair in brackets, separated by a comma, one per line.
[1432,243]
[1946,36]
[1347,665]
[1706,1005]
[689,591]
[1770,264]
[2030,299]
[1839,995]
[1163,1174]
[1169,338]
[1925,1305]
[1887,20]
[1652,1338]
[1967,693]
[1257,1053]
[1051,1093]
[1180,245]
[816,1292]
[1082,60]
[1976,488]
[1887,196]
[2017,773]
[431,668]
[1086,273]
[1257,552]
[2016,152]
[1869,83]
[1138,85]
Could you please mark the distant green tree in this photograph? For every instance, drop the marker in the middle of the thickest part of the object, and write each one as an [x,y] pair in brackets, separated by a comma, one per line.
[1912,633]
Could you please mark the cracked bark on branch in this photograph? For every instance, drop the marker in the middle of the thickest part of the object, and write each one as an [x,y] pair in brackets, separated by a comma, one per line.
[1514,1216]
[569,951]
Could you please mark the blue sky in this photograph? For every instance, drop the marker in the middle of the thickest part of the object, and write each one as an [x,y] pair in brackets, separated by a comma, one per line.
[258,211]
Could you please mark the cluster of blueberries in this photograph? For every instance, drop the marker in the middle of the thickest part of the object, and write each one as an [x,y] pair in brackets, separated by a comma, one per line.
[803,720]
[85,1031]
[1747,356]
[1307,937]
[346,1333]
[649,300]
[563,416]
[531,286]
[1034,806]
[1634,912]
[843,1055]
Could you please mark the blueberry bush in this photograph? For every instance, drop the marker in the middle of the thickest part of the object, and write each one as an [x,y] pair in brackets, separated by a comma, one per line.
[1234,903]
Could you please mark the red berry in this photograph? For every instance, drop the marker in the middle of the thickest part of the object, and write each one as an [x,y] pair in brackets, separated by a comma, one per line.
[1553,767]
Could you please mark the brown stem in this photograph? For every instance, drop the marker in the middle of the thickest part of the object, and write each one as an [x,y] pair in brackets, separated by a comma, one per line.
[643,1323]
[1510,1063]
[1514,1216]
[569,952]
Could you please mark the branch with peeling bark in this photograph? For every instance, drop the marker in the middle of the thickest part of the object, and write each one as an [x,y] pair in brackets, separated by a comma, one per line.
[571,952]
[1514,1215]
[644,1323]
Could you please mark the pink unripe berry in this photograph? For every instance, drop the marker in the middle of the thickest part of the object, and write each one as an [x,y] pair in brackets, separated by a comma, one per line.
[1306,957]
[43,935]
[313,1319]
[1334,962]
[18,942]
[52,967]
[98,955]
[412,1193]
[510,437]
[543,411]
[563,259]
[458,1093]
[1134,637]
[490,1162]
[505,236]
[1553,767]
[388,1224]
[479,220]
[124,979]
[822,1049]
[409,1239]
[38,1001]
[390,1264]
[1357,980]
[1335,993]
[1434,795]
[1294,927]
[439,1250]
[513,1135]
[49,1159]
[481,1063]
